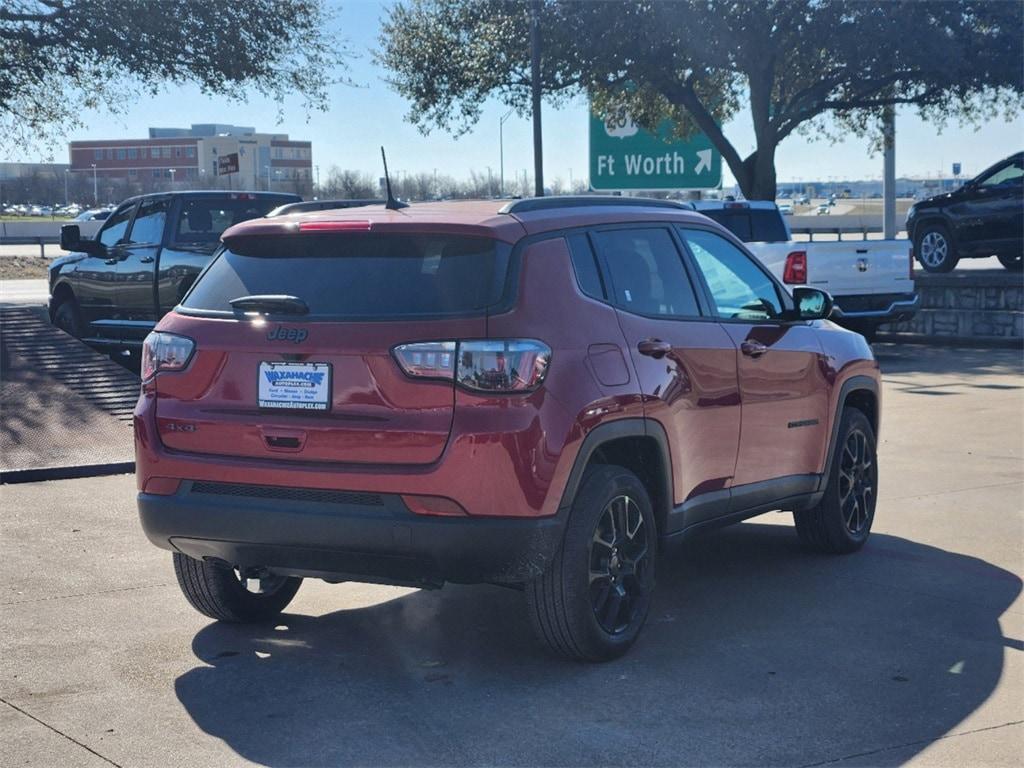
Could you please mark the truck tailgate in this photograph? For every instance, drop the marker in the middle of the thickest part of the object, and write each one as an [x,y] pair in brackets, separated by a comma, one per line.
[851,268]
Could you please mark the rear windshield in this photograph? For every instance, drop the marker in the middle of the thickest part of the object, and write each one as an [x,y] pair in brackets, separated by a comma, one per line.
[751,225]
[360,276]
[203,219]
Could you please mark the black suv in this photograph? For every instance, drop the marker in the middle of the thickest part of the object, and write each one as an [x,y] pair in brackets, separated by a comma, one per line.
[984,217]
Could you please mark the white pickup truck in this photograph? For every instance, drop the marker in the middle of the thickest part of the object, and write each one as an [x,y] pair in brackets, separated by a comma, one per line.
[871,281]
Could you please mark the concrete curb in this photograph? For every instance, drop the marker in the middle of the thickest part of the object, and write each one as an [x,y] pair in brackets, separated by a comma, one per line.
[38,475]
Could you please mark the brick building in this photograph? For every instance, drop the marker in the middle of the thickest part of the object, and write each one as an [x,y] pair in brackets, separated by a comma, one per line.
[183,158]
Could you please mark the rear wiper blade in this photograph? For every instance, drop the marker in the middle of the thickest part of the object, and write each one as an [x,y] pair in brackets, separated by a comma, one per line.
[288,305]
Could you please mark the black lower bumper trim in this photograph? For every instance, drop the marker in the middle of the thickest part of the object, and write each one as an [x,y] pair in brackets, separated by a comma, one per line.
[382,542]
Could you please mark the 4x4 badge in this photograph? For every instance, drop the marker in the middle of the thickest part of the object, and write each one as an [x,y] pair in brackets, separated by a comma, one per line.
[294,335]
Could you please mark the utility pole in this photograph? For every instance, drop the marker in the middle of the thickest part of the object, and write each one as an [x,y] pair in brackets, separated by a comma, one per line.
[889,170]
[95,194]
[538,149]
[501,150]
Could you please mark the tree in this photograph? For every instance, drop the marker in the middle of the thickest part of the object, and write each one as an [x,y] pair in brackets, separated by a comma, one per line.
[822,67]
[59,57]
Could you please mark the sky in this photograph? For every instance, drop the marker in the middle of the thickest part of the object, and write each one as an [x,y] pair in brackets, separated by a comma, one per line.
[368,114]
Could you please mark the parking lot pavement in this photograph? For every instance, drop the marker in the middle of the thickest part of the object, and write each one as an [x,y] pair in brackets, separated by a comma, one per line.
[23,292]
[755,652]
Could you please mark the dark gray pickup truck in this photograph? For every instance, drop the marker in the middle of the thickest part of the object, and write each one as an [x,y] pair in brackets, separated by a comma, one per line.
[112,290]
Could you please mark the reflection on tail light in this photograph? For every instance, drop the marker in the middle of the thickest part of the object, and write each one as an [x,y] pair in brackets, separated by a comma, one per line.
[495,365]
[795,272]
[165,352]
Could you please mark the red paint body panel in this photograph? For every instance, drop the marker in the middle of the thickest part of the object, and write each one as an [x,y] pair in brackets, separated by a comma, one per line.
[693,392]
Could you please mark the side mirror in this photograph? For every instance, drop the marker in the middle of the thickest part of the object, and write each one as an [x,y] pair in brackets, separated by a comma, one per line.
[71,240]
[70,237]
[811,304]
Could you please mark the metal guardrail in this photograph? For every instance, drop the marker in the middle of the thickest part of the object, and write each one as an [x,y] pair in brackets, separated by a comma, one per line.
[839,231]
[41,240]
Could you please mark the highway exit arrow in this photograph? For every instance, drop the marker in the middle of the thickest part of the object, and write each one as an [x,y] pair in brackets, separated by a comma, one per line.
[624,156]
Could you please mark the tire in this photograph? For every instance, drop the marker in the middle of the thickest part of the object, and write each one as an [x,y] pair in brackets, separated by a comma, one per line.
[1012,263]
[216,591]
[597,619]
[934,248]
[841,522]
[68,318]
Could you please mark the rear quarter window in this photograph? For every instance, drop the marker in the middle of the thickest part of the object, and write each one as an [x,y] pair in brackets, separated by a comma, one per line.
[360,276]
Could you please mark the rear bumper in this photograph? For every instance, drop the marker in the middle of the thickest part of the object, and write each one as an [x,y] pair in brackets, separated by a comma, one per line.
[887,308]
[358,537]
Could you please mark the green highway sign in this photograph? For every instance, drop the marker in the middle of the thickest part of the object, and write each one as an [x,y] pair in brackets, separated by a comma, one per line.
[623,156]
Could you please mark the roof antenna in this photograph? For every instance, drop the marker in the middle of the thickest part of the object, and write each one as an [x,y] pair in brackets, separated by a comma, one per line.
[392,204]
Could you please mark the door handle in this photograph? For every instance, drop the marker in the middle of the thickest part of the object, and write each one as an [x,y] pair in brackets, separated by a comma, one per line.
[753,348]
[146,260]
[655,348]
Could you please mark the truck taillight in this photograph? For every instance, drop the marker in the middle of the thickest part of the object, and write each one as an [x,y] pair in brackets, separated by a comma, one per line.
[500,366]
[165,352]
[795,272]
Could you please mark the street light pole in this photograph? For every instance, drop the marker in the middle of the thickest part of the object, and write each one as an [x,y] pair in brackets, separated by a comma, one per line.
[95,194]
[501,150]
[538,149]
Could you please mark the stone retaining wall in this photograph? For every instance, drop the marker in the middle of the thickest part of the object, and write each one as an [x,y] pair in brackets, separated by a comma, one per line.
[970,307]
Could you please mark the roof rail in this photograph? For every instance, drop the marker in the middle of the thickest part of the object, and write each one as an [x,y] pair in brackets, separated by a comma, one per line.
[530,204]
[321,205]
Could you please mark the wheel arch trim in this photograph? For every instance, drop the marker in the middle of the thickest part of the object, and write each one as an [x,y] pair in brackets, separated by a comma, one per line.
[616,430]
[850,386]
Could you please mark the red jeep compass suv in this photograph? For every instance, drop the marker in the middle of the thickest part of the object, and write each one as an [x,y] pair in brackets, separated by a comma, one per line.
[540,393]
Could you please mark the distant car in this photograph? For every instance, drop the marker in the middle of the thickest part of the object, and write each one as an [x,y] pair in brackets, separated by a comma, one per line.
[94,214]
[984,217]
[823,209]
[786,209]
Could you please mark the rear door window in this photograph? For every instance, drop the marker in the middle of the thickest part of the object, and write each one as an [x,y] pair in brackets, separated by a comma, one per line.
[646,272]
[360,276]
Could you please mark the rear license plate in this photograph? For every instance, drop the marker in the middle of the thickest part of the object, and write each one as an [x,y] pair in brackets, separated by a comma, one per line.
[303,386]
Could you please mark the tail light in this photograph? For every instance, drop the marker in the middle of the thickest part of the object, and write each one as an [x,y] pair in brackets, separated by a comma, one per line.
[165,352]
[795,272]
[499,366]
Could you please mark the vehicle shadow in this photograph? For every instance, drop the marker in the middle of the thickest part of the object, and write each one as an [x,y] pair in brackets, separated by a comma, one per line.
[754,652]
[920,358]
